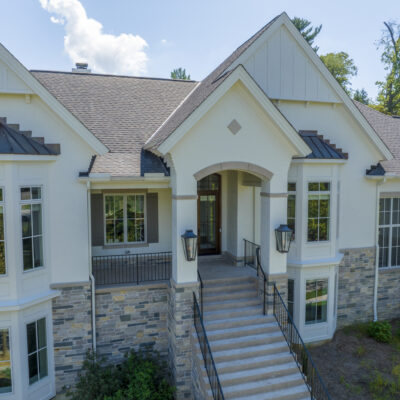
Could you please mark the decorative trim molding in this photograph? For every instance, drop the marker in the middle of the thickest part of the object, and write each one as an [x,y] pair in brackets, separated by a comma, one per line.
[384,195]
[263,173]
[184,196]
[273,195]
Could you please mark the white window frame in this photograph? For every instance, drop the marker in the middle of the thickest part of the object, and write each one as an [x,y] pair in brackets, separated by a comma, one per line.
[31,202]
[125,218]
[293,193]
[11,361]
[319,180]
[3,204]
[390,226]
[35,321]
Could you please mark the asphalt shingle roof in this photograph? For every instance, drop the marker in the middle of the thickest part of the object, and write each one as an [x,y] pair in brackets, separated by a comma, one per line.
[388,129]
[122,112]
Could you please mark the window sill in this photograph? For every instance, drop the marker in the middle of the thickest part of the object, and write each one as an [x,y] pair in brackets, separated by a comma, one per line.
[28,271]
[125,245]
[388,269]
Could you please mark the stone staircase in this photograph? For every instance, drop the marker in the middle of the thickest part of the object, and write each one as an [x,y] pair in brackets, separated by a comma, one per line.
[251,355]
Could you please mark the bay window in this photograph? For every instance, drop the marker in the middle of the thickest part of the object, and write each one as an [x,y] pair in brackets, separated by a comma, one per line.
[32,234]
[389,232]
[5,362]
[318,211]
[37,350]
[124,218]
[316,301]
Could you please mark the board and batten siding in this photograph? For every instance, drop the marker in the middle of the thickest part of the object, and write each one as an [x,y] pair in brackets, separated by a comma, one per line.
[283,70]
[97,218]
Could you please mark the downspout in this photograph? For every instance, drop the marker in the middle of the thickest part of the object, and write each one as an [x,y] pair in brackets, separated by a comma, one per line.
[93,283]
[376,283]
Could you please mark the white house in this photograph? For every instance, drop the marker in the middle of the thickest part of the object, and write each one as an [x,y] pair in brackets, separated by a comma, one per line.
[100,175]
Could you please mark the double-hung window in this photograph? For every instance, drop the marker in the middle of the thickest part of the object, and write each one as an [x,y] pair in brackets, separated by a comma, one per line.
[318,211]
[389,232]
[5,362]
[32,234]
[316,301]
[124,218]
[3,268]
[291,207]
[37,350]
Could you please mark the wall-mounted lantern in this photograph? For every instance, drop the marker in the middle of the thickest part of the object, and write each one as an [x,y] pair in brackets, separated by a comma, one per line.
[284,236]
[189,242]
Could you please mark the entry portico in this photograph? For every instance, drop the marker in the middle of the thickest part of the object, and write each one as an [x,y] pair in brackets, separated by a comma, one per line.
[260,144]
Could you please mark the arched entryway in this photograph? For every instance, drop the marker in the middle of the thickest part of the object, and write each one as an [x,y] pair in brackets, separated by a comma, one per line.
[209,214]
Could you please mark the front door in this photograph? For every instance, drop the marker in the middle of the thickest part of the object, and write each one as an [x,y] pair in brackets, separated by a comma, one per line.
[208,208]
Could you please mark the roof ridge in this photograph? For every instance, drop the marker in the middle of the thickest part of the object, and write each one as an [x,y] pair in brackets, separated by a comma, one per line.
[112,75]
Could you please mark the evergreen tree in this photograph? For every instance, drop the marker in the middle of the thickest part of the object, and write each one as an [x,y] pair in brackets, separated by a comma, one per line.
[180,73]
[309,32]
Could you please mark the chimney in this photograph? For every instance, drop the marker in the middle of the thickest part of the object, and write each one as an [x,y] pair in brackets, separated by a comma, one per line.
[81,68]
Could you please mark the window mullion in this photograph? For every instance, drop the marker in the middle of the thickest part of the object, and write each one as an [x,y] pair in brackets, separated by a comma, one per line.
[125,219]
[390,234]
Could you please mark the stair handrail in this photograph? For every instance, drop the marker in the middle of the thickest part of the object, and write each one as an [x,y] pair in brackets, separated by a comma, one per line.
[260,271]
[205,348]
[200,291]
[298,349]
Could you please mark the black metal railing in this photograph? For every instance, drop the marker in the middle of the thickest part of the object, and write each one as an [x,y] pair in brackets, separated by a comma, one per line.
[261,275]
[250,256]
[200,291]
[299,350]
[131,268]
[209,363]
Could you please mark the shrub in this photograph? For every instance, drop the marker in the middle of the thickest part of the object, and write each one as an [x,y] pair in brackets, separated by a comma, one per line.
[138,377]
[380,331]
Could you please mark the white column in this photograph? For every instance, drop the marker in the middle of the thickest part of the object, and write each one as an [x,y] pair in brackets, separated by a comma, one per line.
[184,217]
[273,213]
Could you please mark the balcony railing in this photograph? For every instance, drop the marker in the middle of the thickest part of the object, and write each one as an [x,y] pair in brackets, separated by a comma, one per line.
[131,268]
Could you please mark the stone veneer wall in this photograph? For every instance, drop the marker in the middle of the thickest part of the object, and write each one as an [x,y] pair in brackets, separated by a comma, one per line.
[72,331]
[132,317]
[389,293]
[180,327]
[356,286]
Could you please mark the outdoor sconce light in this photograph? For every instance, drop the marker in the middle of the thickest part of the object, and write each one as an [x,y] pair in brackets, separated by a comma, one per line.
[284,236]
[189,242]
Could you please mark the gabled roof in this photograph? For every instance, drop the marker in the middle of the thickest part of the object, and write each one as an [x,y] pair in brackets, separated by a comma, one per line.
[15,142]
[201,92]
[388,129]
[321,148]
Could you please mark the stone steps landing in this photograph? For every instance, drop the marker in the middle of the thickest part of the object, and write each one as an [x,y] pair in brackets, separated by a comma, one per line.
[252,358]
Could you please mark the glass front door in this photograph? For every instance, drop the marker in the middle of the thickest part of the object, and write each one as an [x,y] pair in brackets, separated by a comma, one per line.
[209,215]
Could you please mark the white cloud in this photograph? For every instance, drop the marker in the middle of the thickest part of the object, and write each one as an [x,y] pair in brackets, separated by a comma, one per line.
[164,41]
[84,41]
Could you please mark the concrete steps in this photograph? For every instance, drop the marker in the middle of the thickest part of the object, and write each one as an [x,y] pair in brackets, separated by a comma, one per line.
[251,355]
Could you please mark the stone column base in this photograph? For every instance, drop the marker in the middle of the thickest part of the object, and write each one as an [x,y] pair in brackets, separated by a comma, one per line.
[180,328]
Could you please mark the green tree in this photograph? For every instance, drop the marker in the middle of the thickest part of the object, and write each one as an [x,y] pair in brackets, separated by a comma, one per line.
[180,73]
[389,93]
[342,67]
[309,32]
[361,95]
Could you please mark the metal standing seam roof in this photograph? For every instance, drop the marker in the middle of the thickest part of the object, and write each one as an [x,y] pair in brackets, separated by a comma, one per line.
[15,142]
[321,148]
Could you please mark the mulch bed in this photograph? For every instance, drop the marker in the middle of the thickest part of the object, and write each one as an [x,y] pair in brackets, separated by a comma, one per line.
[350,361]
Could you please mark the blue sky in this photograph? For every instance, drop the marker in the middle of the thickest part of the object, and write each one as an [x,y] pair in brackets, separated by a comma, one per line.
[196,35]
